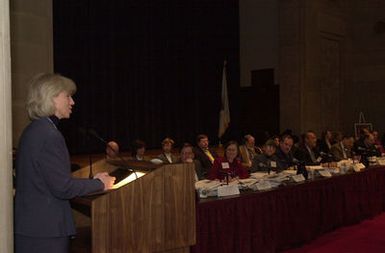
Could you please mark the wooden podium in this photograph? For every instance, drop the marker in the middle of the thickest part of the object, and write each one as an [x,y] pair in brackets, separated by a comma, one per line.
[154,213]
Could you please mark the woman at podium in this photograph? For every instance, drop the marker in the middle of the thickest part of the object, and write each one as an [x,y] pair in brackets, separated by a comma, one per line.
[44,186]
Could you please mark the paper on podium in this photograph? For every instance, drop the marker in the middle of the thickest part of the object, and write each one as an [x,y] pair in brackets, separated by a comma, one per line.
[128,179]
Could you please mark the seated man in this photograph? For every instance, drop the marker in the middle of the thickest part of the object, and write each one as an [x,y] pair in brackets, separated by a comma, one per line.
[204,154]
[266,161]
[284,153]
[248,151]
[112,150]
[167,156]
[365,148]
[378,143]
[343,150]
[308,153]
[187,156]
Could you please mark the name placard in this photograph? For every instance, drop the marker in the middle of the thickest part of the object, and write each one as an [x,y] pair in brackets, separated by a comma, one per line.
[325,173]
[263,185]
[298,178]
[228,190]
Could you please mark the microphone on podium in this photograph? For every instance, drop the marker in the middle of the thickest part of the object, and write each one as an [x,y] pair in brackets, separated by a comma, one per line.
[112,149]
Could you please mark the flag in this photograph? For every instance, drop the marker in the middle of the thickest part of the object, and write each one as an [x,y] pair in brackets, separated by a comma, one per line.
[224,114]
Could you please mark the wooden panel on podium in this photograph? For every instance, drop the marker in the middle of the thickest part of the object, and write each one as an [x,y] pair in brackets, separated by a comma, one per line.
[154,213]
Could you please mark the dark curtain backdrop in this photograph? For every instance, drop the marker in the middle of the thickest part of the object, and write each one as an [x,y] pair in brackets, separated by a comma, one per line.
[146,69]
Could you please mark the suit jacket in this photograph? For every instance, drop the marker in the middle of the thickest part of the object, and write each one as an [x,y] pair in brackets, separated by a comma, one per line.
[364,151]
[284,161]
[262,162]
[174,158]
[44,183]
[303,155]
[337,152]
[323,146]
[204,160]
[247,155]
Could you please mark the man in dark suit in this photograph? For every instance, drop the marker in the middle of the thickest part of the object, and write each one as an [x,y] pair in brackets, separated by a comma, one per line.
[284,154]
[204,154]
[343,150]
[267,161]
[43,216]
[365,148]
[308,152]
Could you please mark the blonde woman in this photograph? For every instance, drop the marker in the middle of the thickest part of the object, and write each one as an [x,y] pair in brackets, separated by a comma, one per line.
[43,218]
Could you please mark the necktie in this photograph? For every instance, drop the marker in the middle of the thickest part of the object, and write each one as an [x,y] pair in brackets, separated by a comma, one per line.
[209,155]
[343,151]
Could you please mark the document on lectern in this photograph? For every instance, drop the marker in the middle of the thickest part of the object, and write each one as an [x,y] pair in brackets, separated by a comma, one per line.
[124,176]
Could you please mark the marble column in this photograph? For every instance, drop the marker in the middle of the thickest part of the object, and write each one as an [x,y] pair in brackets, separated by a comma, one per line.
[6,195]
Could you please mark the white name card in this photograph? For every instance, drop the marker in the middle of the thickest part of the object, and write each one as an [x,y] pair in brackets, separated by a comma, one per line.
[273,164]
[228,190]
[225,165]
[263,185]
[298,178]
[325,173]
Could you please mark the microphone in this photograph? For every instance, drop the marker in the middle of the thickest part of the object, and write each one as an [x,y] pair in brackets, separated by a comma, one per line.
[93,133]
[301,168]
[84,132]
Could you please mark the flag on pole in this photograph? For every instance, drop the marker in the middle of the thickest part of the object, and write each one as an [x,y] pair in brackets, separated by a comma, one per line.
[224,114]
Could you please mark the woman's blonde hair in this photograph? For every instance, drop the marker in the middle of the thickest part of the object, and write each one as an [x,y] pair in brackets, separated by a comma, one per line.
[42,89]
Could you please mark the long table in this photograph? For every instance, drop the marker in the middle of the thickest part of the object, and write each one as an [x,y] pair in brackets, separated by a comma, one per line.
[288,216]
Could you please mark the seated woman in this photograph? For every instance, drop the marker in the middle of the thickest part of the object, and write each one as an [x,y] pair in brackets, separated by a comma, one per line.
[138,150]
[230,165]
[167,156]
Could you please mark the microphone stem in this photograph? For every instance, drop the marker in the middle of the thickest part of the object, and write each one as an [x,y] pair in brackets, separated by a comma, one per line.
[91,175]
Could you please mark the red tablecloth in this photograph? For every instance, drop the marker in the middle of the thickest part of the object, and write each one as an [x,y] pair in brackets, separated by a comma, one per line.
[289,216]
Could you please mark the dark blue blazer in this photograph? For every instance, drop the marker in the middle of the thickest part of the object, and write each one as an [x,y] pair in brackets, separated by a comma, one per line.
[44,183]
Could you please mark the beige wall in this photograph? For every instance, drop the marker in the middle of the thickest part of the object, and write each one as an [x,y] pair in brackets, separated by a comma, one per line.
[364,87]
[332,64]
[258,37]
[32,52]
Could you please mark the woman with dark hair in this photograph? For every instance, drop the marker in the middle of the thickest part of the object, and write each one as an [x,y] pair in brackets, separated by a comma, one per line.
[228,166]
[44,185]
[137,151]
